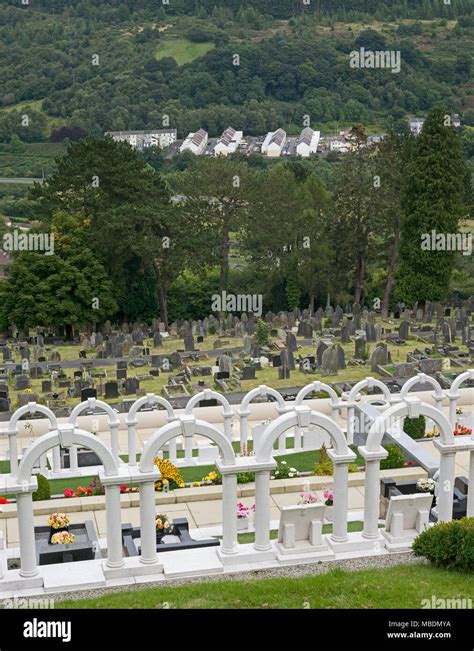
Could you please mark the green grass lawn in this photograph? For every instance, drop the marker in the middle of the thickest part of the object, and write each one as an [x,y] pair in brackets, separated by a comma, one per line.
[182,50]
[249,537]
[404,586]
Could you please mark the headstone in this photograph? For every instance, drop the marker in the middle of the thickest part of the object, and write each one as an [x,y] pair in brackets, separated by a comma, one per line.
[111,390]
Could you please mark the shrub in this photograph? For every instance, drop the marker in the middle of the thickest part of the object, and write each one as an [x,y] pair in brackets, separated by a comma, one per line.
[245,477]
[415,427]
[395,458]
[44,489]
[284,471]
[263,333]
[448,544]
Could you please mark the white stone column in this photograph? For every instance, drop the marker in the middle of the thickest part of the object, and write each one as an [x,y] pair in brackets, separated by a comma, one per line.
[188,450]
[114,527]
[12,446]
[340,492]
[172,454]
[350,425]
[147,523]
[56,459]
[262,511]
[447,469]
[298,438]
[229,514]
[228,425]
[372,491]
[114,442]
[132,444]
[244,428]
[26,531]
[282,442]
[470,494]
[73,464]
[453,401]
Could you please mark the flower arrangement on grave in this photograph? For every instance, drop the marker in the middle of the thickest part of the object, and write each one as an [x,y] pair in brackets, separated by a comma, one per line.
[27,390]
[128,489]
[243,511]
[284,471]
[308,497]
[170,473]
[459,411]
[432,433]
[58,521]
[62,538]
[425,484]
[213,477]
[3,500]
[462,430]
[163,525]
[328,497]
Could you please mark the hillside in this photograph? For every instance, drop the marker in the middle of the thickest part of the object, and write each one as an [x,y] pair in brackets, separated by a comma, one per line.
[109,69]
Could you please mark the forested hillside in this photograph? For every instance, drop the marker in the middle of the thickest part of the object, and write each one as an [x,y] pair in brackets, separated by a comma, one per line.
[256,65]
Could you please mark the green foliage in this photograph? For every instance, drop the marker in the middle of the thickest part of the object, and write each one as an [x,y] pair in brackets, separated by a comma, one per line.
[245,477]
[395,458]
[448,544]
[415,427]
[262,334]
[433,199]
[43,491]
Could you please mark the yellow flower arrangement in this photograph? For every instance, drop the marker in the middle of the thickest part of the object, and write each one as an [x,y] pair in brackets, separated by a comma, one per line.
[169,473]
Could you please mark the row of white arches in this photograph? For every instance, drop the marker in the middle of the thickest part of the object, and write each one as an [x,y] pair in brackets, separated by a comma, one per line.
[349,403]
[297,416]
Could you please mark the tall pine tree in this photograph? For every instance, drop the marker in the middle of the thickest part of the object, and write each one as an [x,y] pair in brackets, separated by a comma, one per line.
[433,199]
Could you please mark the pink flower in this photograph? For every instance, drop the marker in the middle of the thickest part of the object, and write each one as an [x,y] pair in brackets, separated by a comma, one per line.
[69,492]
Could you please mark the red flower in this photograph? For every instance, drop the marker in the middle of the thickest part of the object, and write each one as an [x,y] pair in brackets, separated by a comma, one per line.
[409,463]
[123,488]
[3,500]
[68,492]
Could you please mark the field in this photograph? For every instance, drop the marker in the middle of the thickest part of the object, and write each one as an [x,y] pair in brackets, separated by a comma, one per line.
[182,50]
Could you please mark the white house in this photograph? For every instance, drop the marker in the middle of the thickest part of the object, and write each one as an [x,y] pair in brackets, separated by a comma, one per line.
[229,142]
[416,125]
[308,142]
[338,145]
[161,138]
[274,143]
[195,142]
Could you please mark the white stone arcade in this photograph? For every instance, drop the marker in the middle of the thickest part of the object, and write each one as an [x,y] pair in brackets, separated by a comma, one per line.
[301,538]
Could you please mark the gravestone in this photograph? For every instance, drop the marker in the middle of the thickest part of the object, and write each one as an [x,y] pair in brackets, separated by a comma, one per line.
[131,386]
[225,364]
[329,361]
[379,357]
[111,390]
[359,347]
[291,343]
[22,382]
[87,393]
[46,386]
[404,330]
[248,373]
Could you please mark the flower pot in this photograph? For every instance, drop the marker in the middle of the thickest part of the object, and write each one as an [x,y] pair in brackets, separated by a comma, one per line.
[242,523]
[52,531]
[328,513]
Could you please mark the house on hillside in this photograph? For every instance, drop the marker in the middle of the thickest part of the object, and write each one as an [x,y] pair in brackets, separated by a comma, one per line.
[274,143]
[308,142]
[229,142]
[161,138]
[195,142]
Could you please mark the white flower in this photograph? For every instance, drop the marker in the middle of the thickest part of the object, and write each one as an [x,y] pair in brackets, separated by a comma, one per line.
[290,474]
[293,470]
[283,463]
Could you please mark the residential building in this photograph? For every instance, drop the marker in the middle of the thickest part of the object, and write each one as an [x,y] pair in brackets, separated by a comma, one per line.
[308,142]
[229,142]
[195,142]
[274,143]
[161,138]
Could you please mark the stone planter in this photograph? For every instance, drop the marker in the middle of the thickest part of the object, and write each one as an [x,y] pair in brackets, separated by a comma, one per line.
[242,523]
[328,513]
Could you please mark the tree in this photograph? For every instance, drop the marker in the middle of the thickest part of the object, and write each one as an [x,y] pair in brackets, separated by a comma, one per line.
[120,198]
[433,199]
[215,191]
[70,287]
